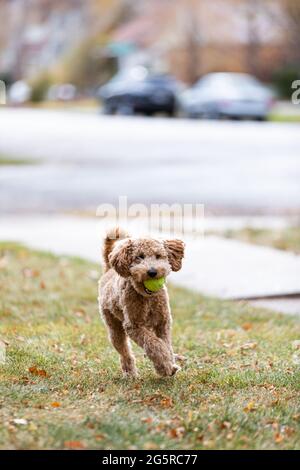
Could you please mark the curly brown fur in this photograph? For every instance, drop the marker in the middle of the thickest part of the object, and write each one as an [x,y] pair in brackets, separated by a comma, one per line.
[129,310]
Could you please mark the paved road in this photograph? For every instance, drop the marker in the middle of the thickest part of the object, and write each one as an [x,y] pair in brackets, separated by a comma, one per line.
[90,159]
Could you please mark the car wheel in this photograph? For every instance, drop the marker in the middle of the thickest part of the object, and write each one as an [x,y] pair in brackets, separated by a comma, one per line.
[108,109]
[192,115]
[125,110]
[172,113]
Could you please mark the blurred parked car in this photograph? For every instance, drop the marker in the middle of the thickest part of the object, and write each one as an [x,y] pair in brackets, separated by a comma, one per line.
[62,92]
[19,93]
[137,91]
[230,95]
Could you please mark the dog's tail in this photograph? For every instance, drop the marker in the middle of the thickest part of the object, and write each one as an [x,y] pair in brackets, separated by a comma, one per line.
[111,237]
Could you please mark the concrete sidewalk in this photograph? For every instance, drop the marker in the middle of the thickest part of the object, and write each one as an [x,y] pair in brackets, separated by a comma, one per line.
[213,266]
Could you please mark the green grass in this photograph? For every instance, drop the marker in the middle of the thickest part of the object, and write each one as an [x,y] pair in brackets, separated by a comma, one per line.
[238,389]
[6,160]
[276,117]
[287,239]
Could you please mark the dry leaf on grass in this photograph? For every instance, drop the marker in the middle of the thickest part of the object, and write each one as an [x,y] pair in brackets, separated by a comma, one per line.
[250,407]
[176,432]
[249,345]
[247,326]
[278,437]
[147,420]
[166,402]
[150,446]
[30,273]
[38,372]
[55,404]
[74,445]
[225,425]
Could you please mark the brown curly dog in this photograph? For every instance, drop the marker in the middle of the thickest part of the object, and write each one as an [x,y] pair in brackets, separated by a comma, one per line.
[132,311]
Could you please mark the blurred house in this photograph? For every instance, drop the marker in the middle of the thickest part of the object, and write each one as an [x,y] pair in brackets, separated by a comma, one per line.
[185,37]
[35,34]
[38,33]
[192,37]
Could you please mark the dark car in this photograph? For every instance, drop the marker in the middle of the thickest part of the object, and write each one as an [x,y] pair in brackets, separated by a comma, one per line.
[132,92]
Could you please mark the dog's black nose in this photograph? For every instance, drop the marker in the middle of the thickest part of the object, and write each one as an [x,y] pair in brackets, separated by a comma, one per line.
[152,272]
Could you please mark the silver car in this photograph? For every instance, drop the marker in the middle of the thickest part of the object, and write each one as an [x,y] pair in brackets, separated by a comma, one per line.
[227,95]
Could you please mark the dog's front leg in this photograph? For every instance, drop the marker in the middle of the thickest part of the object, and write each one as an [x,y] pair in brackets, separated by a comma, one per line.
[155,348]
[163,331]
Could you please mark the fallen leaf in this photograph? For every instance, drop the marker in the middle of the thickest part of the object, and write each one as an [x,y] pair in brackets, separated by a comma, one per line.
[278,438]
[208,443]
[147,420]
[30,273]
[176,432]
[74,445]
[150,446]
[250,345]
[55,404]
[38,372]
[288,431]
[250,407]
[247,326]
[166,402]
[225,425]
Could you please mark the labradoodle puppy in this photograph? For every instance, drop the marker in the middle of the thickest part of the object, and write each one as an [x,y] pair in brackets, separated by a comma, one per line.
[130,310]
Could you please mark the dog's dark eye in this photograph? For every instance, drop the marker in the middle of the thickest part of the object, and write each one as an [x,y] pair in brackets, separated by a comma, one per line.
[158,256]
[140,256]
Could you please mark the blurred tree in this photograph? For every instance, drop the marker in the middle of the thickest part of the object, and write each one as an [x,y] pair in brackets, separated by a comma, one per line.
[291,10]
[252,11]
[289,22]
[192,39]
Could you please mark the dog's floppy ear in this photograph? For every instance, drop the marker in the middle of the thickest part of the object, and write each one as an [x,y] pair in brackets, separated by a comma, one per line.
[175,250]
[121,257]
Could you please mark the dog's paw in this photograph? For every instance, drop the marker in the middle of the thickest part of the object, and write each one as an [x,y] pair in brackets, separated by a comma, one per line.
[130,374]
[168,370]
[175,369]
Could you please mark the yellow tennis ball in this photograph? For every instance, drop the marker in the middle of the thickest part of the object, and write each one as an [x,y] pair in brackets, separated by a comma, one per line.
[155,284]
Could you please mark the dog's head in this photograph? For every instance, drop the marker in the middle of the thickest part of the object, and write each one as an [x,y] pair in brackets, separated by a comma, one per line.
[143,259]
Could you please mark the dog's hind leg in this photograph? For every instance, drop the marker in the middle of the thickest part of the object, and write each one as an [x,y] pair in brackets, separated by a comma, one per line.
[120,341]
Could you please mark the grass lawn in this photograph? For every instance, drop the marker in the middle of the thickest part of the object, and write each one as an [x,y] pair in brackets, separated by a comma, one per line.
[290,118]
[287,239]
[6,160]
[61,385]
